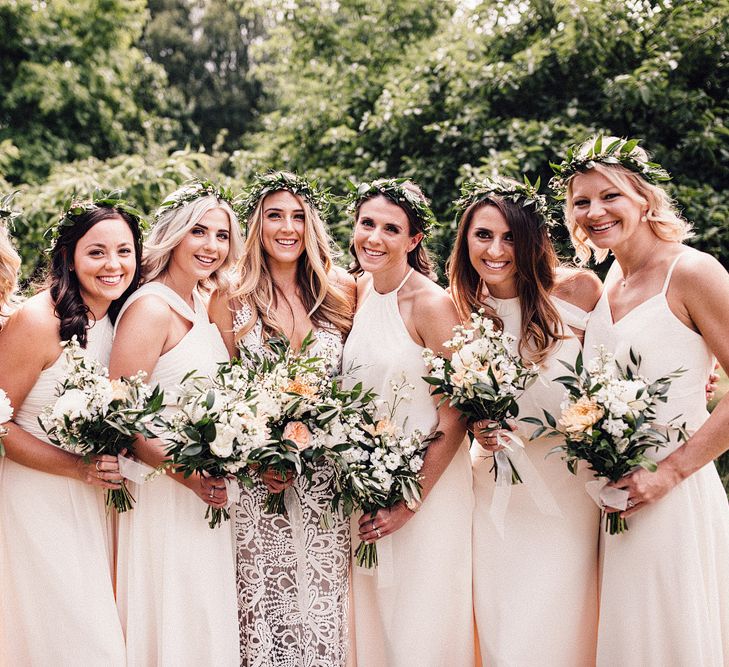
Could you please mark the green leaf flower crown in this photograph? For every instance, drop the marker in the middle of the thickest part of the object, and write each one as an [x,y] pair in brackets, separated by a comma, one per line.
[274,181]
[192,190]
[76,207]
[580,158]
[7,212]
[396,192]
[523,194]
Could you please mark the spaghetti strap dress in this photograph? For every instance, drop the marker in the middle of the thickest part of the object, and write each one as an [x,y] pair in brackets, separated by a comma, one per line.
[292,569]
[175,575]
[665,581]
[416,607]
[535,587]
[56,590]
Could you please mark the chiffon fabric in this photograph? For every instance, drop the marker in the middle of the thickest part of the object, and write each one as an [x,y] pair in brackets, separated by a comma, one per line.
[535,587]
[292,568]
[56,596]
[176,577]
[665,582]
[416,607]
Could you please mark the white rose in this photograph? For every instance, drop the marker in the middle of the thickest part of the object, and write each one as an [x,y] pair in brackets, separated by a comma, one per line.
[222,446]
[6,409]
[73,403]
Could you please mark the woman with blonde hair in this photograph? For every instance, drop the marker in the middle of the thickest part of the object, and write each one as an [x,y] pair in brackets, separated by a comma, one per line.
[665,582]
[415,608]
[176,577]
[292,568]
[9,261]
[56,590]
[534,568]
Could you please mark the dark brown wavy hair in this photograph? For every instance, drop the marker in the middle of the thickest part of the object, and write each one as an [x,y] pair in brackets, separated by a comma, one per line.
[536,263]
[61,280]
[418,257]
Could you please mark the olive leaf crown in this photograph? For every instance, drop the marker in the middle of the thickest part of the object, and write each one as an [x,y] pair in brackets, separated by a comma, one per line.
[394,189]
[522,194]
[580,158]
[76,207]
[7,212]
[274,181]
[192,190]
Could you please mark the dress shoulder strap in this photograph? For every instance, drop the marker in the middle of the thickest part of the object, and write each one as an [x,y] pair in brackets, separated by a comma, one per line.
[670,272]
[167,294]
[572,316]
[404,280]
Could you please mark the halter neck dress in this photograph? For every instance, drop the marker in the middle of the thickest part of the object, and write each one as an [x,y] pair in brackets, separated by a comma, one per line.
[665,582]
[416,607]
[535,587]
[56,594]
[175,578]
[292,569]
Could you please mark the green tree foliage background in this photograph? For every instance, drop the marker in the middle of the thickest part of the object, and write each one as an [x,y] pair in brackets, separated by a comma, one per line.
[143,95]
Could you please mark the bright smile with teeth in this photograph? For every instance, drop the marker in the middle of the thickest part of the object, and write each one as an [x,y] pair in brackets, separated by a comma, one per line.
[287,243]
[603,227]
[496,266]
[110,280]
[208,261]
[373,253]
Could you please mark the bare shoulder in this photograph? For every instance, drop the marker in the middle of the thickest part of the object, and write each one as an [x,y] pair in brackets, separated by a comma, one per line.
[34,326]
[697,269]
[150,311]
[432,305]
[219,306]
[362,284]
[580,287]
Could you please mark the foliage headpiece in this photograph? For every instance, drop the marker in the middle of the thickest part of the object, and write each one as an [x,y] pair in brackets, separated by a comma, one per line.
[583,157]
[7,212]
[275,181]
[76,207]
[193,190]
[394,189]
[522,194]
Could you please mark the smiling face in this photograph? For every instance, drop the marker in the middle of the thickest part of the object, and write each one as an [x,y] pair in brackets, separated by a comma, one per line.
[205,246]
[607,213]
[382,238]
[491,251]
[283,228]
[104,262]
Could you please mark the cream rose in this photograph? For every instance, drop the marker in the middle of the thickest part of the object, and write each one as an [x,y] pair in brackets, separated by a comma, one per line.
[6,410]
[298,433]
[581,416]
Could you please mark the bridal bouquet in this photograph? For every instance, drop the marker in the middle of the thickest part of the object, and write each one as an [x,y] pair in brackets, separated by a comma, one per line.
[483,378]
[217,423]
[96,415]
[379,467]
[608,420]
[6,414]
[309,415]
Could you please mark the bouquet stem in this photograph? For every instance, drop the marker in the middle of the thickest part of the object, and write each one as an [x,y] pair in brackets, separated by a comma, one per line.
[216,515]
[515,477]
[120,499]
[366,555]
[274,503]
[615,524]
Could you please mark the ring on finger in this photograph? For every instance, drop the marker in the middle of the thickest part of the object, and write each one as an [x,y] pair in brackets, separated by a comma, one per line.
[97,466]
[630,503]
[379,534]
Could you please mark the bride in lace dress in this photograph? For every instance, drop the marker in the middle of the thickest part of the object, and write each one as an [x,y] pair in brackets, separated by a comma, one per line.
[292,570]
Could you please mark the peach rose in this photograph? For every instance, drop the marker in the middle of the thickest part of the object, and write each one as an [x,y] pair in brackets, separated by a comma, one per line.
[298,433]
[581,416]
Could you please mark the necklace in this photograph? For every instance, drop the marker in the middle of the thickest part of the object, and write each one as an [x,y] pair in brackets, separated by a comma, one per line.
[626,276]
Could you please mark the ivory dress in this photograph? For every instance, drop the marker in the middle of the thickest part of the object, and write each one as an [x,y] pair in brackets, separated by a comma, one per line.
[535,588]
[416,607]
[176,577]
[56,596]
[292,570]
[665,582]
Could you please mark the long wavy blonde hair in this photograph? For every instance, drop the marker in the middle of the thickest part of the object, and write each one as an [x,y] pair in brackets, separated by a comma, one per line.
[172,226]
[661,214]
[9,268]
[325,302]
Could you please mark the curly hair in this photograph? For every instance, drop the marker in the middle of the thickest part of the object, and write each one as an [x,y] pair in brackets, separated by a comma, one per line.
[9,268]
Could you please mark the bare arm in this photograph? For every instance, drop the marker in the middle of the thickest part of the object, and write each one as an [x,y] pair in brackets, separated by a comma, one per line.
[221,315]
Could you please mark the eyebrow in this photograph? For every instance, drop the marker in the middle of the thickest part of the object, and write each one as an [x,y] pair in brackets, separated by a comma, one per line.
[278,208]
[104,245]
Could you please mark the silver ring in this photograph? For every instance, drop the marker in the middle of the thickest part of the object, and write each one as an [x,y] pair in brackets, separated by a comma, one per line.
[97,467]
[377,530]
[630,503]
[212,493]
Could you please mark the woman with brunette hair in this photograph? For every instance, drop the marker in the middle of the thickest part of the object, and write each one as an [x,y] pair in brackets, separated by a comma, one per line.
[664,594]
[415,608]
[293,567]
[56,593]
[176,581]
[535,566]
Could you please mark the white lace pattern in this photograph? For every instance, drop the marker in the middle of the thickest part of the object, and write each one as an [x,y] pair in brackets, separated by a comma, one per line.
[292,572]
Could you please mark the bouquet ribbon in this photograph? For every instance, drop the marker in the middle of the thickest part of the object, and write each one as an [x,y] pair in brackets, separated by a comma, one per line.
[135,471]
[296,520]
[515,455]
[232,488]
[607,496]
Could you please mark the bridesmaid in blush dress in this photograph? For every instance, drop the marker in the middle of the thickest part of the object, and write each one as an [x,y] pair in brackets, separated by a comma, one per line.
[665,581]
[56,591]
[535,584]
[176,578]
[415,608]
